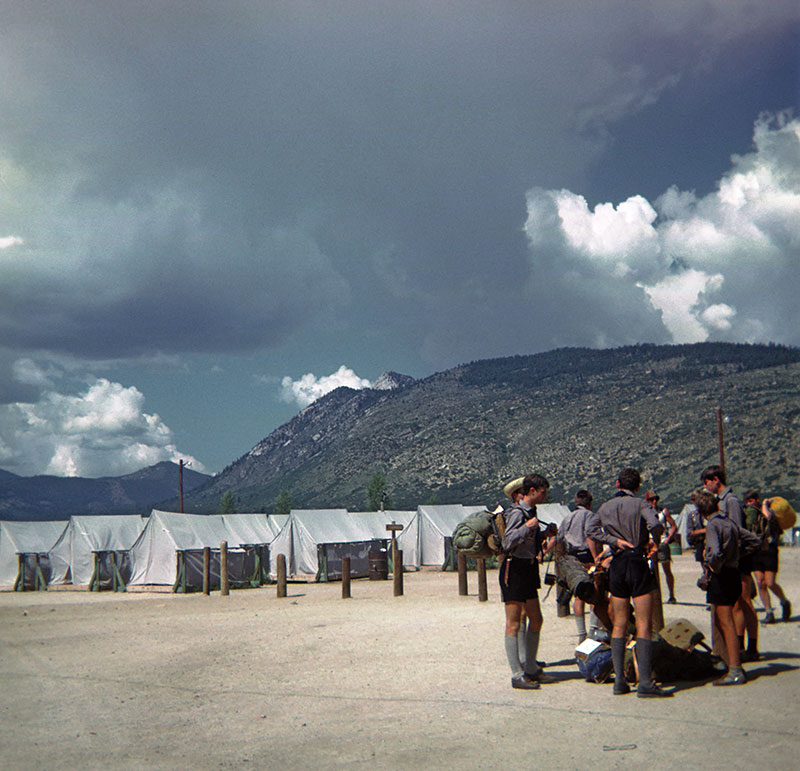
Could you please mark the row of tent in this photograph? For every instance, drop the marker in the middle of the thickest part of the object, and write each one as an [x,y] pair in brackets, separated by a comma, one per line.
[166,548]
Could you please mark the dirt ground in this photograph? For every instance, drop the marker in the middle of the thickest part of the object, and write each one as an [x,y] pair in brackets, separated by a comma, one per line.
[146,680]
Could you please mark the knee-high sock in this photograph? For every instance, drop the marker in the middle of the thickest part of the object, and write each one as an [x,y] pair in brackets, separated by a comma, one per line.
[580,622]
[531,651]
[618,657]
[512,653]
[644,658]
[521,640]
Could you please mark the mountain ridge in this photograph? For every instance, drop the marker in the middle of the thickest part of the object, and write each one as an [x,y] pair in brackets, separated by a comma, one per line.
[575,414]
[44,497]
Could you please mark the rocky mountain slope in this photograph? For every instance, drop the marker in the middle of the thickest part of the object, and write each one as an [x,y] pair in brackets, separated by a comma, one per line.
[576,415]
[50,497]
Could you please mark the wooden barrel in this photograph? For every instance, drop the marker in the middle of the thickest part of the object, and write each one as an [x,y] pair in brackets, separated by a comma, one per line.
[378,565]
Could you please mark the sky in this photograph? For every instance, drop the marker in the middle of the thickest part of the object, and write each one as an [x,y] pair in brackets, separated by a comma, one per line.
[213,213]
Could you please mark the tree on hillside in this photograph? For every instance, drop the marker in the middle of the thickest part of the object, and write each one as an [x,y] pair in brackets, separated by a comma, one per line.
[376,492]
[227,504]
[283,503]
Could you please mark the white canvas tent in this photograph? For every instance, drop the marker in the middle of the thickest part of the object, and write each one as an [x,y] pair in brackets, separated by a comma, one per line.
[23,552]
[552,513]
[276,522]
[423,540]
[248,529]
[309,533]
[169,551]
[94,550]
[375,521]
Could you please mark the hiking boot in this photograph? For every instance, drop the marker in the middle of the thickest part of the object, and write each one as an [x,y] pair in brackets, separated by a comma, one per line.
[732,678]
[672,601]
[768,619]
[652,691]
[620,689]
[786,610]
[524,682]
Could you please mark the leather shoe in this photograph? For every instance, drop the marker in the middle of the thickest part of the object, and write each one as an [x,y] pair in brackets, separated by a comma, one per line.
[748,656]
[731,678]
[541,677]
[525,683]
[620,689]
[652,692]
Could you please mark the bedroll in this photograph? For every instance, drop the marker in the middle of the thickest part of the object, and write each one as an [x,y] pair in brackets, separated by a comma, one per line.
[784,512]
[476,536]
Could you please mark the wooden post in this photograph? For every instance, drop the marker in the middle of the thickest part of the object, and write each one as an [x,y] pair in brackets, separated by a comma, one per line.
[206,570]
[95,587]
[38,580]
[345,578]
[483,588]
[280,569]
[224,587]
[462,574]
[397,560]
[397,574]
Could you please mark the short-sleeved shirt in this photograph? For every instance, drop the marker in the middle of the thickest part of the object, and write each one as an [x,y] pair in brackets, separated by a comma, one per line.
[572,529]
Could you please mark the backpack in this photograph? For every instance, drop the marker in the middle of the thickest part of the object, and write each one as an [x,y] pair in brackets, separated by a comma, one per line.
[480,534]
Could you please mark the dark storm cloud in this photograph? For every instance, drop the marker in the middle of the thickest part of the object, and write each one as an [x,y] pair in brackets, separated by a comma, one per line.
[202,176]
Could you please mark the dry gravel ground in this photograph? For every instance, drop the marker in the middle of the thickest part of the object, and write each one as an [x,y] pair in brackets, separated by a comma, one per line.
[314,681]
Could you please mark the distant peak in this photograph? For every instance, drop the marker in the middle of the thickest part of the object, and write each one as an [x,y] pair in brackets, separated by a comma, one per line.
[390,380]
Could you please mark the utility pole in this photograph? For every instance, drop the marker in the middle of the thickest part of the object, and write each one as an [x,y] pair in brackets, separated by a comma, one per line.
[180,483]
[720,439]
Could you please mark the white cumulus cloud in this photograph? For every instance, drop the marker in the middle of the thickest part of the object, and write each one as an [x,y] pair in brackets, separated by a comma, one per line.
[8,241]
[723,266]
[309,387]
[102,431]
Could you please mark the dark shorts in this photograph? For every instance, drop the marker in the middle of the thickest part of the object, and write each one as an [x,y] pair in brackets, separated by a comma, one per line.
[746,564]
[766,561]
[519,579]
[630,576]
[725,587]
[664,554]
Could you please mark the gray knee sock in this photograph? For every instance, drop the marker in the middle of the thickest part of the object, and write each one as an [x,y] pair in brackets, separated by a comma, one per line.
[521,641]
[531,651]
[618,657]
[580,622]
[512,653]
[644,658]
